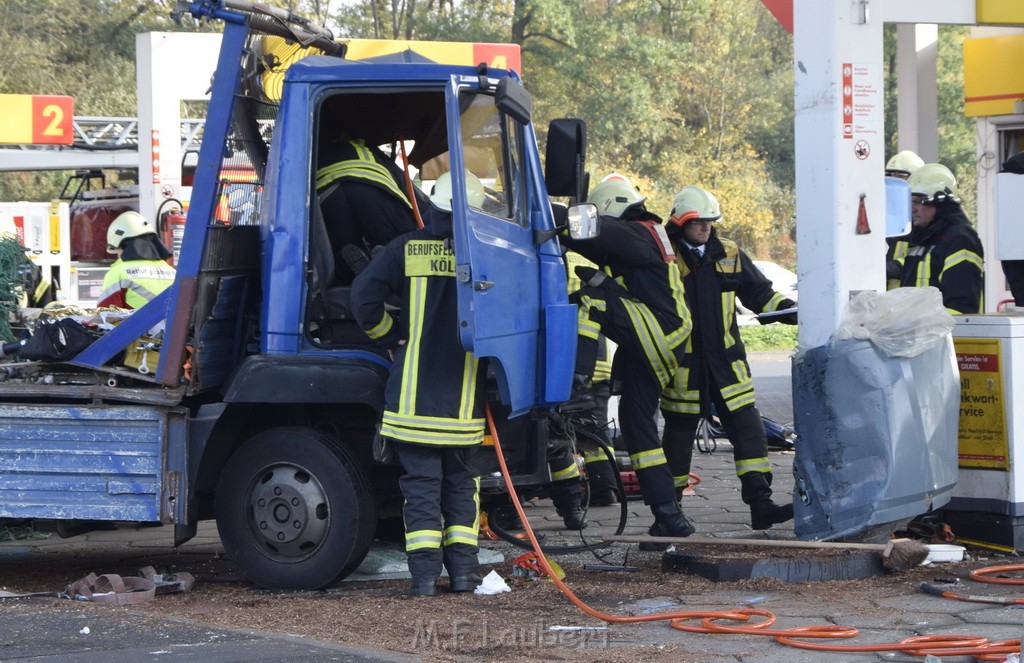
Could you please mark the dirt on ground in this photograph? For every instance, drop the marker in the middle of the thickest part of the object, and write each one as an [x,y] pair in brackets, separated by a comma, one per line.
[514,626]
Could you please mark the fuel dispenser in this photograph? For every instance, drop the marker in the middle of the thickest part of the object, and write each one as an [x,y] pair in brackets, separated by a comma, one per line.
[987,506]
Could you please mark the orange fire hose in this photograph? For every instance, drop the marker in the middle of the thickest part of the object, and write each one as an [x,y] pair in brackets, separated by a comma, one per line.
[938,645]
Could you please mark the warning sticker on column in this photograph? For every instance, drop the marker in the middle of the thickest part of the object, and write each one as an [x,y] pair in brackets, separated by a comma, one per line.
[983,441]
[862,104]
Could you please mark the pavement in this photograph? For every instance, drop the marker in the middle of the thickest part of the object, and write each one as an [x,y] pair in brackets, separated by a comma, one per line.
[40,632]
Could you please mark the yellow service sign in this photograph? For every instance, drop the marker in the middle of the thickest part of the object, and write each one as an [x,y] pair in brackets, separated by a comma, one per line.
[983,440]
[36,119]
[999,12]
[993,84]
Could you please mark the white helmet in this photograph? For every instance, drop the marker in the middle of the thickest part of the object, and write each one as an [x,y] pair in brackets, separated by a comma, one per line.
[126,225]
[694,204]
[441,196]
[903,163]
[933,182]
[614,197]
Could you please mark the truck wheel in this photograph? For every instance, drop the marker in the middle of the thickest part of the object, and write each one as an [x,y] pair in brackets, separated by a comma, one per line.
[295,509]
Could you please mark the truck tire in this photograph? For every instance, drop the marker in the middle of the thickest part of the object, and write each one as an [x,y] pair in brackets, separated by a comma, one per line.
[295,509]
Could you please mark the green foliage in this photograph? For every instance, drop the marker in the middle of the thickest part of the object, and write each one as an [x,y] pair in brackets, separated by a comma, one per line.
[674,92]
[764,338]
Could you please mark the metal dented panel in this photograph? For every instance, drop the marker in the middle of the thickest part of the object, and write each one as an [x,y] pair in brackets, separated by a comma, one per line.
[83,462]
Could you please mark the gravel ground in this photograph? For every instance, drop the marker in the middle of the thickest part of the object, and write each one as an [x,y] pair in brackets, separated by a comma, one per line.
[514,626]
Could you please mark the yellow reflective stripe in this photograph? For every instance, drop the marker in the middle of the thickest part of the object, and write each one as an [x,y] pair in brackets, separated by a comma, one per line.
[431,438]
[587,327]
[570,472]
[774,303]
[963,255]
[677,398]
[431,423]
[728,299]
[644,459]
[410,374]
[740,401]
[653,341]
[596,456]
[899,251]
[429,257]
[752,465]
[363,167]
[468,397]
[924,271]
[460,534]
[681,481]
[381,328]
[422,538]
[675,281]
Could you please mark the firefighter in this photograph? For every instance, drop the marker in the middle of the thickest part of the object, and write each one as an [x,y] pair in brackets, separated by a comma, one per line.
[434,398]
[902,165]
[715,369]
[943,250]
[640,308]
[361,197]
[601,483]
[140,272]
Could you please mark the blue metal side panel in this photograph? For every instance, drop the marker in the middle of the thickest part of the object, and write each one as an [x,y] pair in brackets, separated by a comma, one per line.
[81,462]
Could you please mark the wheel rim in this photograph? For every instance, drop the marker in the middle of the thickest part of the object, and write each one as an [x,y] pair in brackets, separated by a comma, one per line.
[289,512]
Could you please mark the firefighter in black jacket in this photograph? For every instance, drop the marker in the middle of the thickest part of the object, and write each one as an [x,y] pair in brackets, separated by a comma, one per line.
[942,249]
[715,369]
[360,191]
[640,307]
[434,398]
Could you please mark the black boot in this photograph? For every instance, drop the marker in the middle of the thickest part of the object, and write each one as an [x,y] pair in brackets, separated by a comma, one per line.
[767,513]
[465,582]
[668,521]
[423,587]
[566,496]
[601,483]
[757,492]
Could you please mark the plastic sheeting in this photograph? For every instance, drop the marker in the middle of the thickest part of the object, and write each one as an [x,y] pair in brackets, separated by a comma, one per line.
[877,437]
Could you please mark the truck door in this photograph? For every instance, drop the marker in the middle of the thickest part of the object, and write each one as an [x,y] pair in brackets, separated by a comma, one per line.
[497,262]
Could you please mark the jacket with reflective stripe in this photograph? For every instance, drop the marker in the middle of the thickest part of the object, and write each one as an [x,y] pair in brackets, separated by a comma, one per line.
[714,348]
[949,256]
[433,394]
[135,282]
[355,160]
[631,251]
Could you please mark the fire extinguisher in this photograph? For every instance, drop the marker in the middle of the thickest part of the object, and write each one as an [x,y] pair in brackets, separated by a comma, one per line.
[171,224]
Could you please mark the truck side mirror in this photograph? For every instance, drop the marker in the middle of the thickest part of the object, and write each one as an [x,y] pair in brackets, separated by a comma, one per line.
[565,158]
[897,207]
[583,221]
[513,100]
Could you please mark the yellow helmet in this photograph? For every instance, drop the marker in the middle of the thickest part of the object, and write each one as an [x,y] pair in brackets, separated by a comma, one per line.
[903,163]
[441,196]
[614,197]
[933,182]
[125,226]
[694,204]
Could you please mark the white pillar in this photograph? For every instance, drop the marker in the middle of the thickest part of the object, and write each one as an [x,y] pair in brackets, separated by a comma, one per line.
[840,156]
[169,67]
[917,104]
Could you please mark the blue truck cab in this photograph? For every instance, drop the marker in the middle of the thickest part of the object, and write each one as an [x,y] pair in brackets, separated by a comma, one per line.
[263,407]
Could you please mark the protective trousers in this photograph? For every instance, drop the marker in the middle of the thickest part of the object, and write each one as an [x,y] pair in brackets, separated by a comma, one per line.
[745,431]
[442,506]
[644,362]
[600,471]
